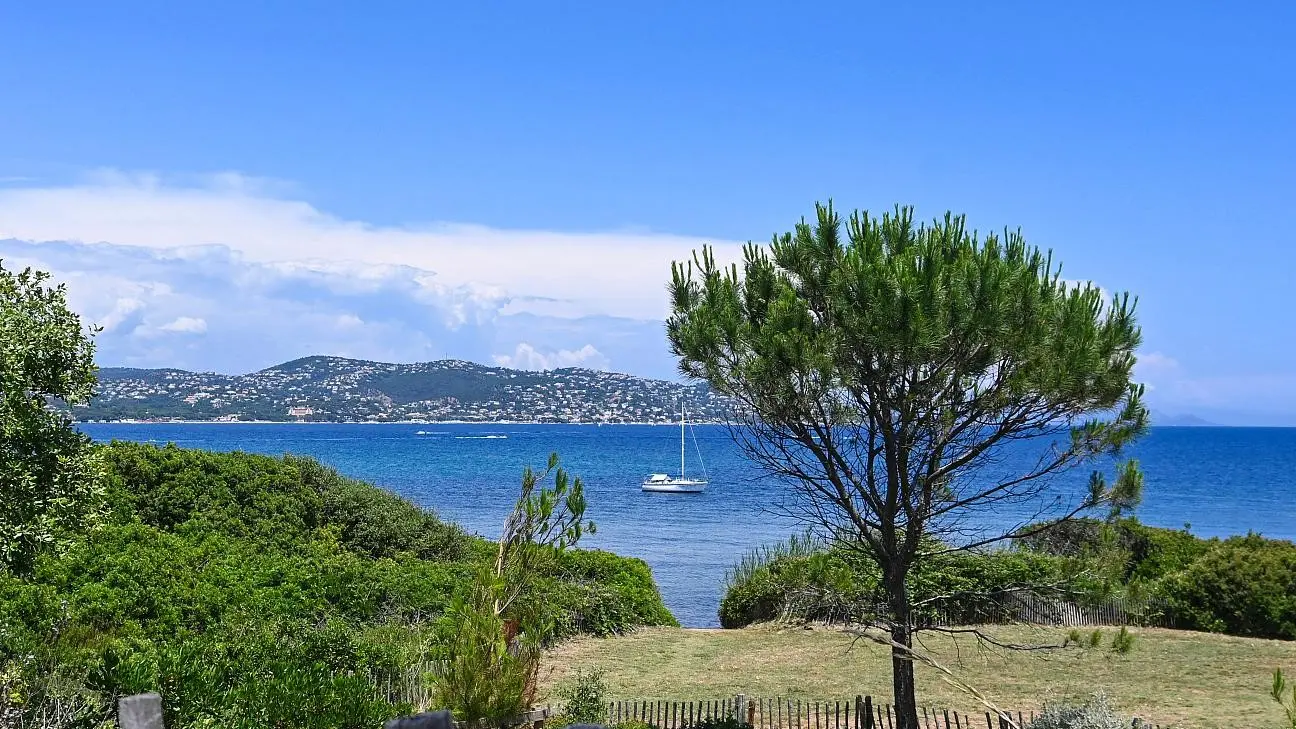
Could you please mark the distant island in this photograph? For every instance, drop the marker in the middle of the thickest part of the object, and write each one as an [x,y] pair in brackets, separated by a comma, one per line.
[1179,421]
[336,389]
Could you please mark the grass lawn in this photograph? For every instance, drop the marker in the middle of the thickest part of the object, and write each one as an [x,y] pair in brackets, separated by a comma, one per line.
[1170,677]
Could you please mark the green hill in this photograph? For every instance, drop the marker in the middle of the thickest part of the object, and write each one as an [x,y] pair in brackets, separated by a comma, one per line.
[347,390]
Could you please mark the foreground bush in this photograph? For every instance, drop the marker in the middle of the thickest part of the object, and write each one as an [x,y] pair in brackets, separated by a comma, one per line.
[258,591]
[1096,713]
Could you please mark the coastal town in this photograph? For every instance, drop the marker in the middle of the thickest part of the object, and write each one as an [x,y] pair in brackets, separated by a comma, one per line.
[336,389]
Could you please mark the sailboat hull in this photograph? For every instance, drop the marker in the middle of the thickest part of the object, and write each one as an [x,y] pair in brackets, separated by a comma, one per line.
[675,486]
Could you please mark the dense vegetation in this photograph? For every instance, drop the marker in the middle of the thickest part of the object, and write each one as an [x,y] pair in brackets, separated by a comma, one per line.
[1240,586]
[48,471]
[258,591]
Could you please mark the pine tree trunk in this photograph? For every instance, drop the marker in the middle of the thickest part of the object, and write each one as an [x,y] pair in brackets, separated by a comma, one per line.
[902,677]
[902,667]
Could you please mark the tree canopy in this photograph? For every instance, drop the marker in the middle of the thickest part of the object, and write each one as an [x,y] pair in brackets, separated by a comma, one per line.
[48,472]
[917,385]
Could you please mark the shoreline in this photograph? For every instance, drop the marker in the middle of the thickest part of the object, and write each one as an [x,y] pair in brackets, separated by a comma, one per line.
[384,422]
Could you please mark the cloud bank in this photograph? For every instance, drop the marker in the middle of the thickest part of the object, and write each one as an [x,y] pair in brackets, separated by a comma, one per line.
[228,273]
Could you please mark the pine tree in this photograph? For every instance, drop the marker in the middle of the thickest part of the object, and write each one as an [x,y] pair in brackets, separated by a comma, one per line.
[885,375]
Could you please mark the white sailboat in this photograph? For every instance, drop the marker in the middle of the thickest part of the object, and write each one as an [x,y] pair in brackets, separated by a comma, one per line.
[664,483]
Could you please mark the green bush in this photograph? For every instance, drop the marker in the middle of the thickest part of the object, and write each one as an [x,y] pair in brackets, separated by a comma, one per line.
[257,591]
[1156,553]
[799,578]
[240,495]
[832,585]
[584,698]
[1241,586]
[603,594]
[377,523]
[1146,553]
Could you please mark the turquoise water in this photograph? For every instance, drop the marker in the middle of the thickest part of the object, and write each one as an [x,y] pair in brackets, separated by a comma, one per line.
[1220,480]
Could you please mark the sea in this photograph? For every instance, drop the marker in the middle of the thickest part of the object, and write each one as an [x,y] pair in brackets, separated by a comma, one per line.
[1213,481]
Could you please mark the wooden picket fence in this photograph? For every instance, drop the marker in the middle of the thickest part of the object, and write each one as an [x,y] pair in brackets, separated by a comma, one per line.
[1000,609]
[144,711]
[858,713]
[1040,610]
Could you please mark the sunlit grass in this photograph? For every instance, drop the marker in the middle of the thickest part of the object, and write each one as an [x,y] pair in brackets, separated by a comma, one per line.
[1169,677]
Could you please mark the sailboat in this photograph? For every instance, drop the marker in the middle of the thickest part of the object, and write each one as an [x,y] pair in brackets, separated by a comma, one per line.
[664,483]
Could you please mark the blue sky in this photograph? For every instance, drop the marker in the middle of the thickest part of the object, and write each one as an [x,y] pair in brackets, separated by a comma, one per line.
[225,186]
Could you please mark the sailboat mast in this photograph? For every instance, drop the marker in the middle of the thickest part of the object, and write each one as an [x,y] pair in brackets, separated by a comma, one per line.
[681,440]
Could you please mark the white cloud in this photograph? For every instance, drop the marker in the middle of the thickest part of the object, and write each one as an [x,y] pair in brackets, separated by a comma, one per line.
[574,274]
[1155,362]
[255,315]
[185,325]
[119,313]
[527,357]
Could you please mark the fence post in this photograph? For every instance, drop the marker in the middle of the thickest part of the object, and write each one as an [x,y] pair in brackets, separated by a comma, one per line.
[740,704]
[426,720]
[141,711]
[868,712]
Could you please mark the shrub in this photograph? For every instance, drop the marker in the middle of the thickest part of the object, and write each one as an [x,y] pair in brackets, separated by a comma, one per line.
[256,591]
[1242,586]
[1096,713]
[830,584]
[1147,553]
[378,523]
[584,698]
[1155,553]
[599,593]
[1122,642]
[807,586]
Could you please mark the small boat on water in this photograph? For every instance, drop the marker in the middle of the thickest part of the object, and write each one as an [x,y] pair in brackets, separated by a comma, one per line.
[665,483]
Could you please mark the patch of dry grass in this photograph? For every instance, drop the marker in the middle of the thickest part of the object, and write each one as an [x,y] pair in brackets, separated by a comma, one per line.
[1170,677]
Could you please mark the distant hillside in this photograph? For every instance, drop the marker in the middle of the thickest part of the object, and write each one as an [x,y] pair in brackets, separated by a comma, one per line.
[1179,420]
[349,390]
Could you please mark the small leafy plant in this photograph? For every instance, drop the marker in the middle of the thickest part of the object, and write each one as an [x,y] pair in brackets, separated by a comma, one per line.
[1123,642]
[1279,694]
[584,698]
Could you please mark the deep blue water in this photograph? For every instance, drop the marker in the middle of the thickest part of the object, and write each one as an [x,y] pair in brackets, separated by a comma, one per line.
[1221,480]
